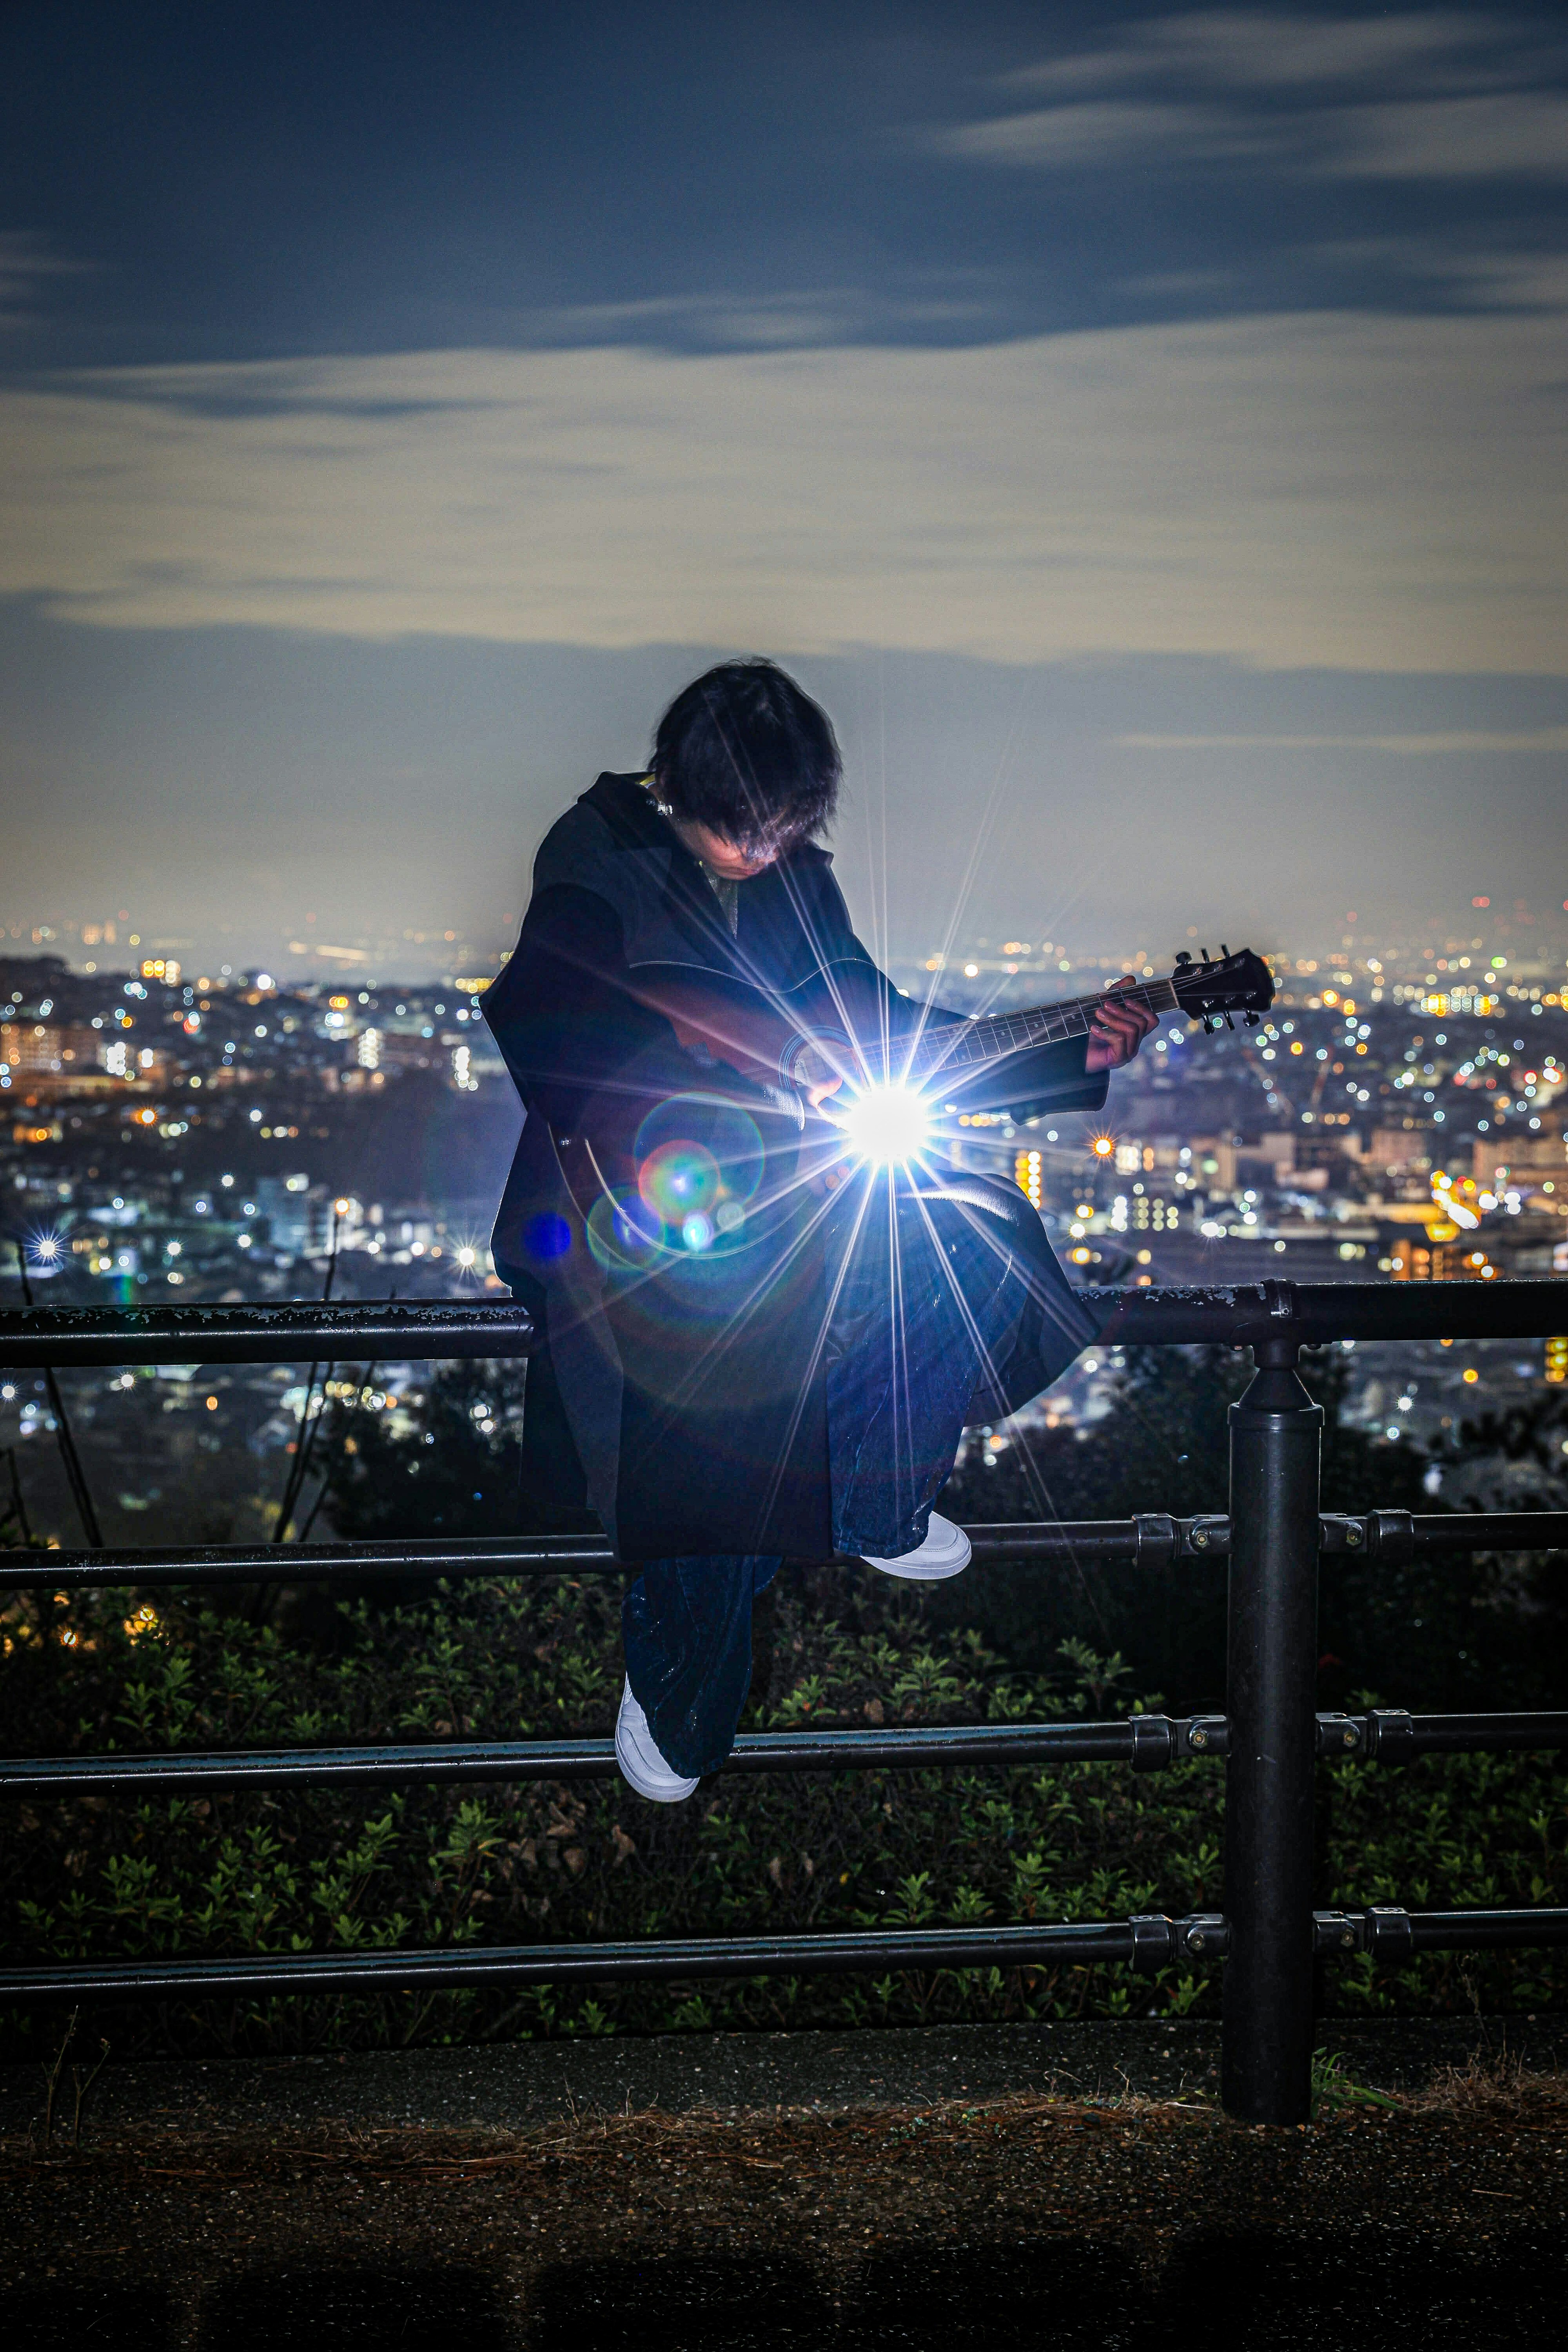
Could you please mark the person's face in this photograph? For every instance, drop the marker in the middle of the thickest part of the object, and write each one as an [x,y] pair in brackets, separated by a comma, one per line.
[721,856]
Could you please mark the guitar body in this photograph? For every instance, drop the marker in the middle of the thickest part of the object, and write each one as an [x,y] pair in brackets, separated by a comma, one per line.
[741,1026]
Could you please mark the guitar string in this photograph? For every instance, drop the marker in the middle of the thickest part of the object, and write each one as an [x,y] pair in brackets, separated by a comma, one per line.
[992,1037]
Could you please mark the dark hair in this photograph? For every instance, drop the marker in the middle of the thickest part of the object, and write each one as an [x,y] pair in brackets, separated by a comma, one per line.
[743,752]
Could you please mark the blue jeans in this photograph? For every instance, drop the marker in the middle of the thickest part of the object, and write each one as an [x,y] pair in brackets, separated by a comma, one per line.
[920,1296]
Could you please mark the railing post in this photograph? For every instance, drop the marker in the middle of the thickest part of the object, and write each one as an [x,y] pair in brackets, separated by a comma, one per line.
[1275,1443]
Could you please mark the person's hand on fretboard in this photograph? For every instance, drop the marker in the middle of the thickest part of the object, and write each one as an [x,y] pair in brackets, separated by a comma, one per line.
[1119,1027]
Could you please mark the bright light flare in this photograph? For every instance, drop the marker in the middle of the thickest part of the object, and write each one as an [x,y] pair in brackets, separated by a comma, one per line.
[887,1124]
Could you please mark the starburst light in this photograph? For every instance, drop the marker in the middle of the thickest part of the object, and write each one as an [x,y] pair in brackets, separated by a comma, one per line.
[887,1124]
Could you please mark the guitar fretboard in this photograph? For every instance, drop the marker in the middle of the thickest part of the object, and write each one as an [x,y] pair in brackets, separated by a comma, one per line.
[964,1045]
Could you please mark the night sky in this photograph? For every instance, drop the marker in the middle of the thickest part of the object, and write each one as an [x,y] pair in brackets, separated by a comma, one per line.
[1144,429]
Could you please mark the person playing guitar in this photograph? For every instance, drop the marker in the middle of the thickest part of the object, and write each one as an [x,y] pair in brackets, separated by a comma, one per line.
[767,1310]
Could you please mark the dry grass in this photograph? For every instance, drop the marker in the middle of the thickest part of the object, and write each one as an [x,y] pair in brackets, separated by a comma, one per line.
[727,2136]
[1492,2083]
[1494,2091]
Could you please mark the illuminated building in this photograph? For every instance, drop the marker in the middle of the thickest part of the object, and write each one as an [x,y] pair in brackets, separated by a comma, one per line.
[1398,1147]
[1444,1254]
[39,1049]
[399,1051]
[1214,1161]
[1500,1162]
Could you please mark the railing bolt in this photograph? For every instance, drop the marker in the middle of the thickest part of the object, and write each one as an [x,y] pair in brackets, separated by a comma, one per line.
[1200,1540]
[1349,1735]
[1198,1737]
[1197,1941]
[1353,1538]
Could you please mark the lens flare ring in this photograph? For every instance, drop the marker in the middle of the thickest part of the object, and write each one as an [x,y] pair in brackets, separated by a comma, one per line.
[678,1181]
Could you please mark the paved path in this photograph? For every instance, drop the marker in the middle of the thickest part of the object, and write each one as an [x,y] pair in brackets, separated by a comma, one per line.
[980,2190]
[525,2084]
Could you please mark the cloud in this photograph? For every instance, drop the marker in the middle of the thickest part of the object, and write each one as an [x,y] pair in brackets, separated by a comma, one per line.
[1486,278]
[732,321]
[1106,132]
[1515,134]
[1450,741]
[1324,490]
[1171,284]
[1511,280]
[1269,49]
[1434,95]
[1511,134]
[25,263]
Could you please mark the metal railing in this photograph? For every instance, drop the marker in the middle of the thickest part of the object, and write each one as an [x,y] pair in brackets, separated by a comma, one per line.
[1270,1737]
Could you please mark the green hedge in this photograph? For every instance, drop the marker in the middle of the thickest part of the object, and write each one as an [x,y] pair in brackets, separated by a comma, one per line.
[99,1877]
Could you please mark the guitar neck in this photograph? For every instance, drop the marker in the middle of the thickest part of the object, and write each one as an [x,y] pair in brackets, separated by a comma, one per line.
[966,1045]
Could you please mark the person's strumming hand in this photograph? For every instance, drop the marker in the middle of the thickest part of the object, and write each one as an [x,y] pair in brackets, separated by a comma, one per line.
[1118,1029]
[816,1076]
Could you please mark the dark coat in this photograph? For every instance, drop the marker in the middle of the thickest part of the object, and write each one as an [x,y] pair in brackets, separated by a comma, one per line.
[680,1390]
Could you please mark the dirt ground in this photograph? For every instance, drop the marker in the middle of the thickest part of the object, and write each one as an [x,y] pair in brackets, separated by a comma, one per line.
[1015,2221]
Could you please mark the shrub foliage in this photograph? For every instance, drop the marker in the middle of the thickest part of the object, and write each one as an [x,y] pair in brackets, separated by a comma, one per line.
[534,1862]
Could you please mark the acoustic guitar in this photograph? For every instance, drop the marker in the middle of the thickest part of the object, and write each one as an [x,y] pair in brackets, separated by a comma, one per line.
[761,1036]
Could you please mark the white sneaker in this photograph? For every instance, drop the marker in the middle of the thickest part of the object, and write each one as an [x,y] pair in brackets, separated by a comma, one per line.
[639,1758]
[945,1552]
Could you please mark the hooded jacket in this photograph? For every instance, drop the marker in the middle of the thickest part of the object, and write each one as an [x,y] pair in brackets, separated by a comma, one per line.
[655,1220]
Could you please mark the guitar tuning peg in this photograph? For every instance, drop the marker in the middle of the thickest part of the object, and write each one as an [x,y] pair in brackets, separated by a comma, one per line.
[1223,948]
[1228,1022]
[1185,957]
[1251,1020]
[1207,957]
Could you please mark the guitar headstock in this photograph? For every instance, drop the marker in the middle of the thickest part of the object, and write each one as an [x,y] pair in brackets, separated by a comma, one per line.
[1212,989]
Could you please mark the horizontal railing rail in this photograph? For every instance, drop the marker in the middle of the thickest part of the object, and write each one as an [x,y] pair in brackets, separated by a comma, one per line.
[1392,1935]
[1084,1943]
[1311,1314]
[69,1337]
[1153,1539]
[1143,1741]
[1146,1742]
[1238,1315]
[1148,1943]
[292,1563]
[1271,1737]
